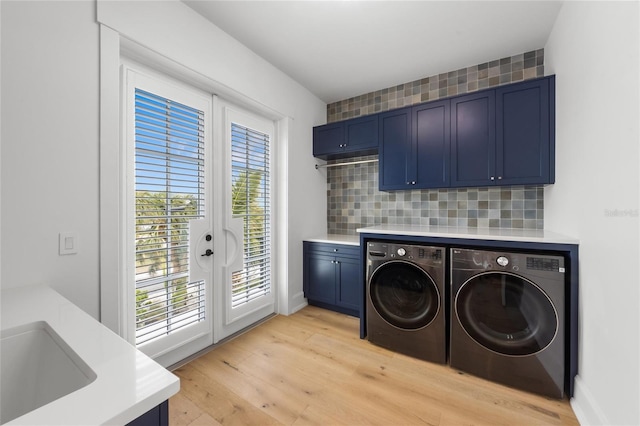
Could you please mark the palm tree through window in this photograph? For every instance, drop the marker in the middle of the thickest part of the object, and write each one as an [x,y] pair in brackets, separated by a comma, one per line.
[169,192]
[250,199]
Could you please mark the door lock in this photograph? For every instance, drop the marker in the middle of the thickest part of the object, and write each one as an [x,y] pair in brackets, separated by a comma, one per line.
[208,237]
[209,252]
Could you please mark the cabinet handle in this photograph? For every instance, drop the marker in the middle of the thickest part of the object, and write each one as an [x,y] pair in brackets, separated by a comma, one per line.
[413,182]
[335,250]
[492,178]
[336,262]
[499,177]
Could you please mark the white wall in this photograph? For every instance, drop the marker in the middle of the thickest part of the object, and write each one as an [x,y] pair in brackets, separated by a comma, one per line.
[50,133]
[239,75]
[593,50]
[50,146]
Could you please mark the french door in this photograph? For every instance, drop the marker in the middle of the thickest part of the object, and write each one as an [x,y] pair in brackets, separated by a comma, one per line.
[247,292]
[198,256]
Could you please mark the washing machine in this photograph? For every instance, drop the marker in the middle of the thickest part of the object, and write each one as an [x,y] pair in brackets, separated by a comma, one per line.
[405,299]
[508,318]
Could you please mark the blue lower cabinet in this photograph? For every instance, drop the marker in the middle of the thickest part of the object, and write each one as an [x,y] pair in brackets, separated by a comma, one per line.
[331,276]
[348,292]
[157,416]
[321,273]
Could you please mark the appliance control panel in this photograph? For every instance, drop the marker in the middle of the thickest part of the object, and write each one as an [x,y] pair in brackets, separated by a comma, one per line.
[380,251]
[514,262]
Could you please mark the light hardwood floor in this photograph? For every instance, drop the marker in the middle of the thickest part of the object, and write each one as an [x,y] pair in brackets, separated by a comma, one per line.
[311,368]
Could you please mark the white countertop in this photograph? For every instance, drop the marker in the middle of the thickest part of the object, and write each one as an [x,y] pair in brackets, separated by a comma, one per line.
[352,240]
[128,383]
[495,234]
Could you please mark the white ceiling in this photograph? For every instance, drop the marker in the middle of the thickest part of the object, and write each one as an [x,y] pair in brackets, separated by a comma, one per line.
[341,49]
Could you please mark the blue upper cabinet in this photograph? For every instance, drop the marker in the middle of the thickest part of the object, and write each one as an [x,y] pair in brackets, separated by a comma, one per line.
[358,136]
[504,136]
[432,140]
[499,136]
[525,142]
[361,135]
[328,139]
[396,150]
[414,147]
[473,142]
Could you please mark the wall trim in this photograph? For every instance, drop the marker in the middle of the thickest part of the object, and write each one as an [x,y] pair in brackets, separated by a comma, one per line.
[111,295]
[297,302]
[586,407]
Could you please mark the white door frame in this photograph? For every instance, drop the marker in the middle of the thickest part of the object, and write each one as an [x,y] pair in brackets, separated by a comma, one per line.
[228,320]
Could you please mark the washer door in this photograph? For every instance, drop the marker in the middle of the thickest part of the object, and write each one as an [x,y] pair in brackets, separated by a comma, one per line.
[506,313]
[404,295]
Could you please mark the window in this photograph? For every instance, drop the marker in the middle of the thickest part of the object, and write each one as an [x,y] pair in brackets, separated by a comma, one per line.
[250,201]
[169,192]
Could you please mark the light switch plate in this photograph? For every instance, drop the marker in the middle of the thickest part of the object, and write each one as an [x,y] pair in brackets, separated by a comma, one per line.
[67,243]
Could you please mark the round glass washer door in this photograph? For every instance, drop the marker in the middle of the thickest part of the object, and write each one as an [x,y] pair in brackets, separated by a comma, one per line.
[506,313]
[404,295]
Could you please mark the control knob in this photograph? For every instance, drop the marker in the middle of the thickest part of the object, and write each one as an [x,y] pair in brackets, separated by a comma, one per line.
[401,251]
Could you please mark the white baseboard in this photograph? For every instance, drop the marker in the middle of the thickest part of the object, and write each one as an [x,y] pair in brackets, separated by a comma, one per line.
[297,302]
[585,406]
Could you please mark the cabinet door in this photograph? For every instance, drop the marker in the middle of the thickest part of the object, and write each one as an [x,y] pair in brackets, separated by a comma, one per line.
[473,142]
[349,289]
[361,134]
[395,149]
[328,139]
[431,123]
[321,278]
[523,133]
[157,416]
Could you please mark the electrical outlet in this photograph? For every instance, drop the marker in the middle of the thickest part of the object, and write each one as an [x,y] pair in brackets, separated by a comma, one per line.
[67,243]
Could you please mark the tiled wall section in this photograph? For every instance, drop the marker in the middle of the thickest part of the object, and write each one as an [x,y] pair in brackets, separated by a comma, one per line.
[489,74]
[354,202]
[353,199]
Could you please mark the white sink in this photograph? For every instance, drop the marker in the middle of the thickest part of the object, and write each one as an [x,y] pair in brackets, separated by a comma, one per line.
[37,367]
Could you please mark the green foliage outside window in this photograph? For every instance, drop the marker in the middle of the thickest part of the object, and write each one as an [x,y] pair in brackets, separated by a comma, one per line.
[162,226]
[162,245]
[245,201]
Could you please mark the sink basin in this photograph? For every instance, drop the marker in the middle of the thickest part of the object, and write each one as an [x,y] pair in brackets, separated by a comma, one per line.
[37,367]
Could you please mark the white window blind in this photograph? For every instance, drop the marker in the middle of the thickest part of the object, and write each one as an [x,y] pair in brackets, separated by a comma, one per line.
[251,200]
[169,191]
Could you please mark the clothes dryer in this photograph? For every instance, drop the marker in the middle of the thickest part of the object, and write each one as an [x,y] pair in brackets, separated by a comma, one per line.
[507,318]
[405,299]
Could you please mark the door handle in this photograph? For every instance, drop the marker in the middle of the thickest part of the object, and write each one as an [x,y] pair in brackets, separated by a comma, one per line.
[209,252]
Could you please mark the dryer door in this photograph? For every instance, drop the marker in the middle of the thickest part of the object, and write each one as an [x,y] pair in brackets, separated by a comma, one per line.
[404,295]
[506,313]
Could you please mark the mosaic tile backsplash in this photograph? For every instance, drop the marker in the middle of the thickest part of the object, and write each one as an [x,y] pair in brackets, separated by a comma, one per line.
[353,199]
[524,66]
